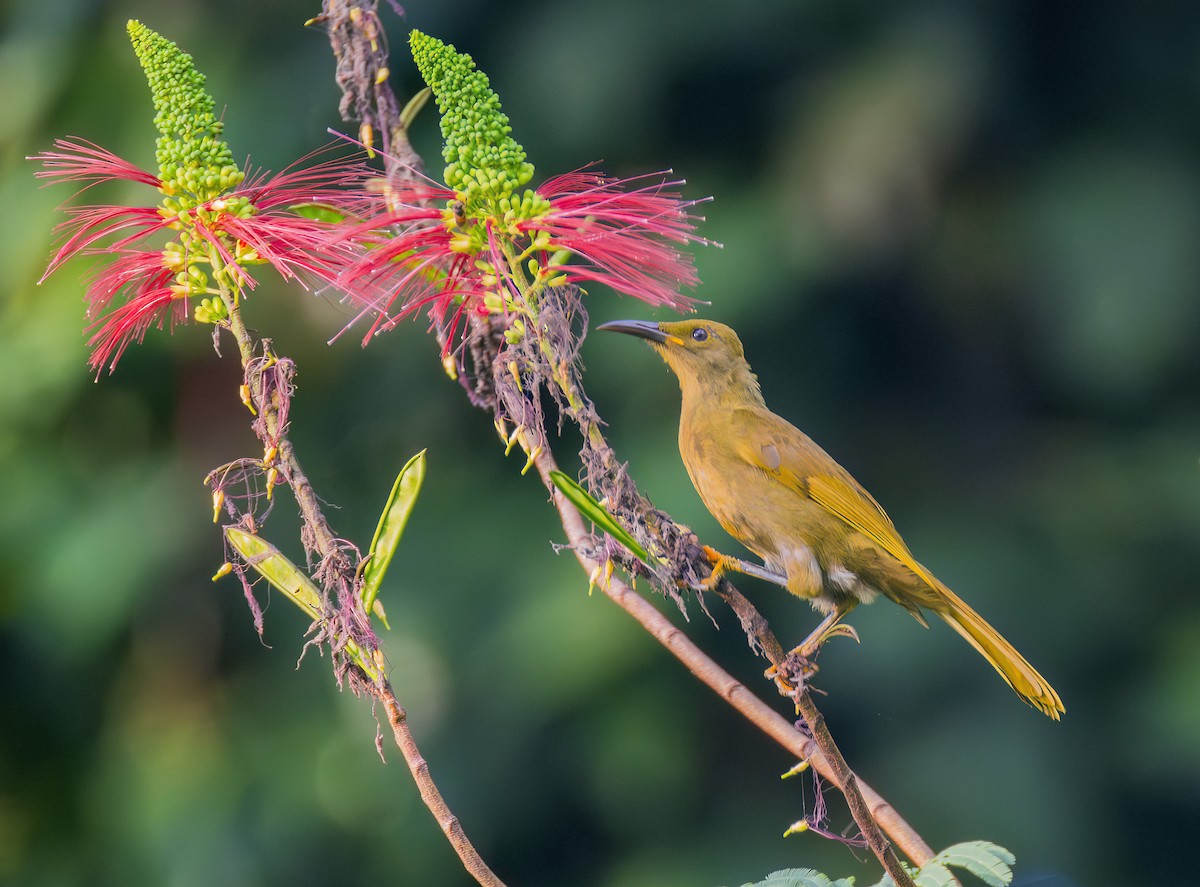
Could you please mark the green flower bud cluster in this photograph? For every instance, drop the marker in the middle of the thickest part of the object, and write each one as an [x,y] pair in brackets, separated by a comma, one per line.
[485,164]
[194,162]
[197,277]
[211,310]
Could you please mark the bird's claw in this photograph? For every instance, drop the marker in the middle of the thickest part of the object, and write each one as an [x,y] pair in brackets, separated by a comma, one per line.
[794,672]
[800,666]
[810,647]
[721,563]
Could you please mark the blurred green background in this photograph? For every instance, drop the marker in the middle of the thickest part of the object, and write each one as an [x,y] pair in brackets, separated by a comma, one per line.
[961,246]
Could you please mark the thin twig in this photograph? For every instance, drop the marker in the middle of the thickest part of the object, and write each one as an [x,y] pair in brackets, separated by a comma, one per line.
[338,570]
[433,799]
[359,46]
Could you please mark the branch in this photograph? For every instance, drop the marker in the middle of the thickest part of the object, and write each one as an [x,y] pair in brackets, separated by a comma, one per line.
[268,395]
[866,805]
[433,799]
[548,358]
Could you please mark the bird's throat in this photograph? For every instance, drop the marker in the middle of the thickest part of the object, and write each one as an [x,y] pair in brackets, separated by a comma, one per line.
[719,386]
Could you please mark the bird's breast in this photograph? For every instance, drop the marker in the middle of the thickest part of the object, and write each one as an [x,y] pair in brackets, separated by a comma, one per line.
[750,504]
[787,529]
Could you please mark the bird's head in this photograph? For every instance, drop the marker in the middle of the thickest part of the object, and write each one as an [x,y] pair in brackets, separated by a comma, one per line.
[702,353]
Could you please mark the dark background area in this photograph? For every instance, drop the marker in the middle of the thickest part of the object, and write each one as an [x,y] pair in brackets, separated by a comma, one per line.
[960,244]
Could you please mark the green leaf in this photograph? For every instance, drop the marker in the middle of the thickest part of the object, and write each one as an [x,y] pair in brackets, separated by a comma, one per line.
[414,106]
[318,212]
[988,862]
[598,515]
[934,874]
[267,560]
[391,527]
[800,878]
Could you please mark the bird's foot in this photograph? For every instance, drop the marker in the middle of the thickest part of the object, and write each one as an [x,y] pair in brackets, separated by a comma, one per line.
[813,644]
[721,564]
[800,664]
[793,673]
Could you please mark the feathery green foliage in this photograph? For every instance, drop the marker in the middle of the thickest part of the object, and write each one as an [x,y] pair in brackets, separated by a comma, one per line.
[800,878]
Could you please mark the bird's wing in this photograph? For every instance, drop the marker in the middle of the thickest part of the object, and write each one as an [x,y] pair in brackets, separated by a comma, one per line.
[785,454]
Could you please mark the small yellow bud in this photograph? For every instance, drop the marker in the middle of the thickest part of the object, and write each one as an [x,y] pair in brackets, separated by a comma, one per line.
[796,828]
[512,441]
[377,609]
[269,455]
[225,569]
[218,501]
[381,75]
[534,453]
[244,391]
[795,771]
[450,365]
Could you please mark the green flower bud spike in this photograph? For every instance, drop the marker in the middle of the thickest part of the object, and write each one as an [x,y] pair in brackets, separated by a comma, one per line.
[484,163]
[195,163]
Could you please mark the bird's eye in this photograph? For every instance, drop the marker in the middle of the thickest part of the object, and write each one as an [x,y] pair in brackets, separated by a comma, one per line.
[700,334]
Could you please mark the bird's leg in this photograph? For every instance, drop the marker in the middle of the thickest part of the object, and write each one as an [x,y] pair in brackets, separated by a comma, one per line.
[830,627]
[724,563]
[799,661]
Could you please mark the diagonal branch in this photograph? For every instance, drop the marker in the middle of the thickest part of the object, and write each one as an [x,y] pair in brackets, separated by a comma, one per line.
[451,827]
[549,359]
[871,812]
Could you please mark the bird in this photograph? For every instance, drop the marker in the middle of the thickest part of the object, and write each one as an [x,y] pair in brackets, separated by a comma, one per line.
[778,493]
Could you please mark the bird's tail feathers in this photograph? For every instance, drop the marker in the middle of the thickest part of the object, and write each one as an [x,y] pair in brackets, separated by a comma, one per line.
[1013,667]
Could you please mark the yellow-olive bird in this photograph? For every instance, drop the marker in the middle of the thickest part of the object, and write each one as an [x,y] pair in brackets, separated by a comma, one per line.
[786,499]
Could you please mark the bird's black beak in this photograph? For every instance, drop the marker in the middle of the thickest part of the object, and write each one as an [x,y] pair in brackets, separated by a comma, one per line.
[643,329]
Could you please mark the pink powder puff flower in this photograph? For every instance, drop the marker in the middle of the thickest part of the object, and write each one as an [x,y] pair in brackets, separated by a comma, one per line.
[165,254]
[627,234]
